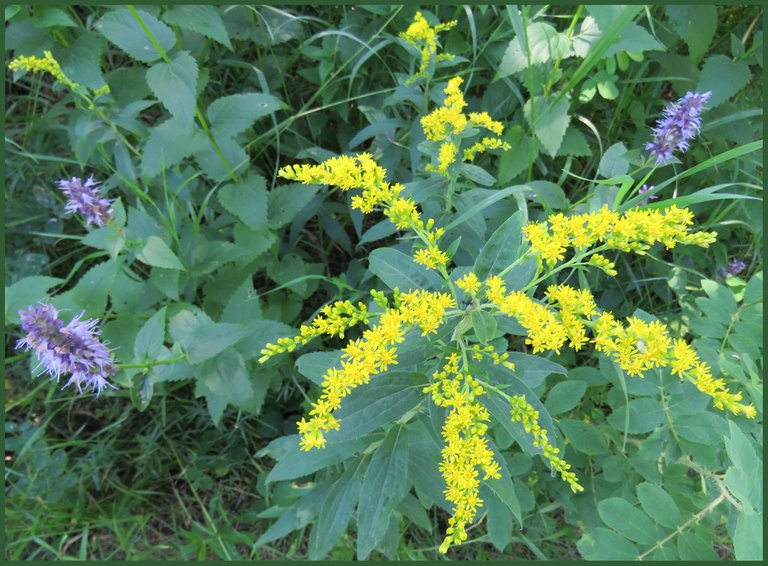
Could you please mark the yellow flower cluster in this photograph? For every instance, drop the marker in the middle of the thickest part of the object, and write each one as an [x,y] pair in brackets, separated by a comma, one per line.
[470,284]
[639,346]
[547,329]
[362,172]
[369,355]
[523,412]
[424,37]
[466,448]
[449,120]
[632,231]
[333,320]
[46,64]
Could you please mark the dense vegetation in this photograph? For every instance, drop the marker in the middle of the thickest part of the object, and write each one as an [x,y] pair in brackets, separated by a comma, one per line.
[177,206]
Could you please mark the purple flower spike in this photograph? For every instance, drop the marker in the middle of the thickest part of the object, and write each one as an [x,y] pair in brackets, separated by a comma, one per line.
[74,348]
[681,123]
[85,198]
[736,266]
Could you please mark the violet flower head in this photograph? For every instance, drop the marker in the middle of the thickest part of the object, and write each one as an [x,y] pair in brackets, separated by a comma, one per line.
[73,348]
[644,189]
[84,197]
[681,123]
[734,268]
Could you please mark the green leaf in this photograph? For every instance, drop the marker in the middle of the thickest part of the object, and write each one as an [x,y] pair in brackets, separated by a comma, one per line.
[286,201]
[606,85]
[754,290]
[477,174]
[548,117]
[723,77]
[564,396]
[212,164]
[201,19]
[247,201]
[157,254]
[501,249]
[25,293]
[634,39]
[696,24]
[484,325]
[627,520]
[296,463]
[584,437]
[644,416]
[384,485]
[574,143]
[721,296]
[243,306]
[691,546]
[386,399]
[231,115]
[395,269]
[314,364]
[545,43]
[746,466]
[335,514]
[659,505]
[210,339]
[605,544]
[503,487]
[530,369]
[224,380]
[52,17]
[549,194]
[166,281]
[163,150]
[614,162]
[91,292]
[702,428]
[122,29]
[412,510]
[499,521]
[149,340]
[748,536]
[81,61]
[175,85]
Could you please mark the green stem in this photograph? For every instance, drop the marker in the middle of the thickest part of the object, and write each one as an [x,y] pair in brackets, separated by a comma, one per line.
[148,365]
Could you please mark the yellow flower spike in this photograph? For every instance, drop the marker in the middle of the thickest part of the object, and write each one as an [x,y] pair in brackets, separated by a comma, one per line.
[46,64]
[470,284]
[424,37]
[524,413]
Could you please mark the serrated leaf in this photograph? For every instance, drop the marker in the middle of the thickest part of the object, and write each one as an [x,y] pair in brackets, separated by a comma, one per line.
[574,143]
[212,164]
[247,201]
[25,293]
[545,43]
[396,269]
[722,77]
[162,149]
[90,293]
[175,85]
[635,39]
[564,396]
[224,380]
[121,28]
[149,340]
[696,24]
[243,305]
[231,115]
[384,485]
[209,339]
[286,201]
[549,120]
[81,61]
[201,19]
[157,253]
